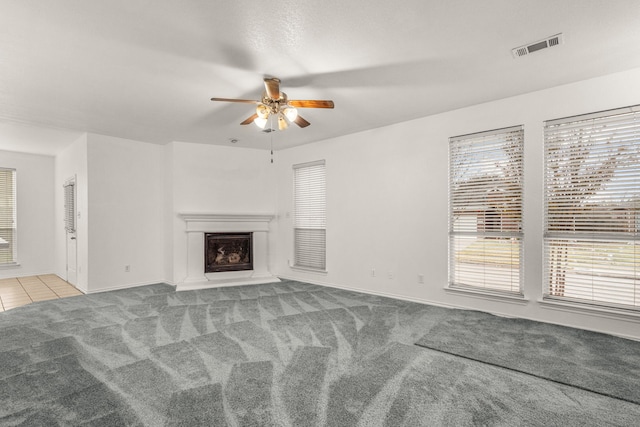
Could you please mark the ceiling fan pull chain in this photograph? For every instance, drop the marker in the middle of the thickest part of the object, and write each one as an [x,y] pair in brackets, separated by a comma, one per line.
[271,138]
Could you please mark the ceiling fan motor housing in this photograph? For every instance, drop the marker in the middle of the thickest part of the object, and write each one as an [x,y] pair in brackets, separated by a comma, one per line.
[275,105]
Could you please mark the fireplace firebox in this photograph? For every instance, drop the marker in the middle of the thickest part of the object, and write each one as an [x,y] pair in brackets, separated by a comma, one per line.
[227,252]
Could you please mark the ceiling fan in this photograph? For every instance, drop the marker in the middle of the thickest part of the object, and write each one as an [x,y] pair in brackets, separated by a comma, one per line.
[275,104]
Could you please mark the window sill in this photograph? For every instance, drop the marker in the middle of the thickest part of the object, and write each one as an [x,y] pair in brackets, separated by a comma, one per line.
[592,310]
[9,265]
[308,270]
[495,296]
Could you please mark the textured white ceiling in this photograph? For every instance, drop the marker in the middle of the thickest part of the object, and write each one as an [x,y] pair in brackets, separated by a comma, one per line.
[146,69]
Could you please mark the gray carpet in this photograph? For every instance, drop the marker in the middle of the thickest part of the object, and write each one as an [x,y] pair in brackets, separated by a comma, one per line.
[595,362]
[281,354]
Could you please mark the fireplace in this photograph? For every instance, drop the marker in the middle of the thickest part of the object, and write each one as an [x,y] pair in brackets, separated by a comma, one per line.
[227,252]
[197,225]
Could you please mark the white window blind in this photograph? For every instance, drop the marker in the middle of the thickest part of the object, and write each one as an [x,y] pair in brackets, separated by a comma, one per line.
[310,215]
[8,238]
[70,207]
[592,208]
[485,210]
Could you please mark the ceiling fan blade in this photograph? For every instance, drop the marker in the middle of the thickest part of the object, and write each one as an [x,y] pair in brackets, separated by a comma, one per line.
[301,122]
[246,101]
[250,119]
[311,103]
[272,86]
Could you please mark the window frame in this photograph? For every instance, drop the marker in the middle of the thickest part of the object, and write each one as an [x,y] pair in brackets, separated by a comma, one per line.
[69,188]
[595,231]
[309,214]
[504,144]
[12,241]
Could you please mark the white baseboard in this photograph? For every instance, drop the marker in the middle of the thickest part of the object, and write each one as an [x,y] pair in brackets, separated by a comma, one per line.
[380,294]
[457,307]
[131,285]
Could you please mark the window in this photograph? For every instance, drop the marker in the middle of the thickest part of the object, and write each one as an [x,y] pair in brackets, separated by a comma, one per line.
[592,208]
[70,206]
[310,215]
[485,211]
[8,240]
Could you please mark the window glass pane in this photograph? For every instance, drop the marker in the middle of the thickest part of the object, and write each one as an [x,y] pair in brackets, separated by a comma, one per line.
[310,248]
[486,262]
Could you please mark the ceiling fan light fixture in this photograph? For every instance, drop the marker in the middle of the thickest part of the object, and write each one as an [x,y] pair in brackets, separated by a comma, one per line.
[262,111]
[261,122]
[282,122]
[291,113]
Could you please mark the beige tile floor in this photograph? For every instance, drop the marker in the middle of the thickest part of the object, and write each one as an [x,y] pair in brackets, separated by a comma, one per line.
[19,291]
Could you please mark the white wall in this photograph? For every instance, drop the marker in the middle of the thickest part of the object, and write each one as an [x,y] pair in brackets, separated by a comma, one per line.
[129,197]
[72,162]
[387,201]
[126,217]
[35,213]
[215,179]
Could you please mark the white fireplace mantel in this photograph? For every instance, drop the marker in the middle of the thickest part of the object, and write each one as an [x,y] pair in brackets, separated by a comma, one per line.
[197,224]
[222,222]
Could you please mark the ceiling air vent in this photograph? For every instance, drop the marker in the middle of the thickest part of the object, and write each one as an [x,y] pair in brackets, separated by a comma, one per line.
[536,46]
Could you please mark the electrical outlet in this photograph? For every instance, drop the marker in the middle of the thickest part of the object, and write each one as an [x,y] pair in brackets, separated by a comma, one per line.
[421,279]
[390,275]
[373,272]
[127,268]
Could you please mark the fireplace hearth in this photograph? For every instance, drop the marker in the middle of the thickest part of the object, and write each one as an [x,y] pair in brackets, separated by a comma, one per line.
[227,252]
